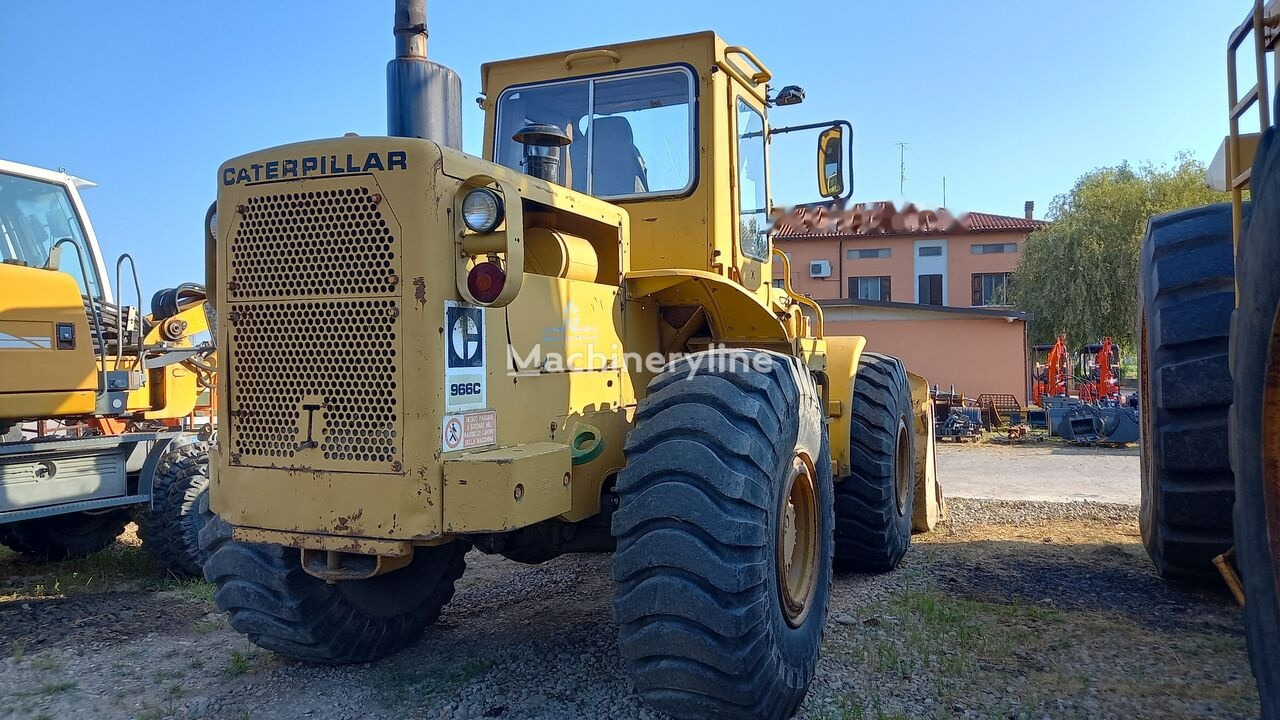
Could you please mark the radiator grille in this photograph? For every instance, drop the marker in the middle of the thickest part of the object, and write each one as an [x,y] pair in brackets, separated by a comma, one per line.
[325,371]
[313,330]
[318,243]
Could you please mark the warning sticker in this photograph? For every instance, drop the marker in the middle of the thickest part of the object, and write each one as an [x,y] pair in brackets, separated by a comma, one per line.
[469,430]
[464,357]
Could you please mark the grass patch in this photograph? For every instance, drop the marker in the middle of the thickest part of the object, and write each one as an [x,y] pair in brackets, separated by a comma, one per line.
[240,663]
[204,627]
[56,687]
[1036,659]
[121,566]
[46,663]
[394,685]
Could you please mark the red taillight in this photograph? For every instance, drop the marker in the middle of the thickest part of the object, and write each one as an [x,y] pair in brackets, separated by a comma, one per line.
[485,281]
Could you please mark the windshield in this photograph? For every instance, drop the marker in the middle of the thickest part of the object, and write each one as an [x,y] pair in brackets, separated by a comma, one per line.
[631,134]
[34,215]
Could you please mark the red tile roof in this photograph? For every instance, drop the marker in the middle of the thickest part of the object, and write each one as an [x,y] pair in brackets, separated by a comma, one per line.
[986,222]
[883,218]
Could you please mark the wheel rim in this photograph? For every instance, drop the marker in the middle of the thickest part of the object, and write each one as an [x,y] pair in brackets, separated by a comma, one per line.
[798,544]
[1271,446]
[902,468]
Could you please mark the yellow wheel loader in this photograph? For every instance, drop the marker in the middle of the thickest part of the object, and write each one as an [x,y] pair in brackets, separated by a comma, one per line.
[98,402]
[1209,367]
[571,344]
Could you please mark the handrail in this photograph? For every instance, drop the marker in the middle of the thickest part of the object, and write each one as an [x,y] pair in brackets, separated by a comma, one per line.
[137,288]
[1238,178]
[572,58]
[791,293]
[93,313]
[762,74]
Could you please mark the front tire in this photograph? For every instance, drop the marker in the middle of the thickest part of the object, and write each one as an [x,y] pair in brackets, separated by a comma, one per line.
[724,530]
[281,608]
[170,527]
[874,504]
[62,537]
[1186,295]
[1255,414]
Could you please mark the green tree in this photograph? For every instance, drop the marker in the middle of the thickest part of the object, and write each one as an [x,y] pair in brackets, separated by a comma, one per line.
[1079,275]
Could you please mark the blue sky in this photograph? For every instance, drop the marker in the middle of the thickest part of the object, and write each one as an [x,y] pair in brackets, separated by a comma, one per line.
[1010,101]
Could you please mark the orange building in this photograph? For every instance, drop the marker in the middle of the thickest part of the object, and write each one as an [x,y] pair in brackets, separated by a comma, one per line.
[931,291]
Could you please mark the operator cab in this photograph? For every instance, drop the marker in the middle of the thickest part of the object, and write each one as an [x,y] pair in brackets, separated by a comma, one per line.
[35,213]
[672,129]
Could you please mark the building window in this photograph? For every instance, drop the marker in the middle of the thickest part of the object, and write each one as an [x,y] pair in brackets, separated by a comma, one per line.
[780,283]
[930,289]
[865,253]
[875,287]
[991,248]
[991,289]
[930,251]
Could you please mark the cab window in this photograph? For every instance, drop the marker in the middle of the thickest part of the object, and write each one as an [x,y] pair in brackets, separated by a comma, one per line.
[753,226]
[631,135]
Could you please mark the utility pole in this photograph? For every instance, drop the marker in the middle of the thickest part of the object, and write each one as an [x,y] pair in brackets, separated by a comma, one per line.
[902,166]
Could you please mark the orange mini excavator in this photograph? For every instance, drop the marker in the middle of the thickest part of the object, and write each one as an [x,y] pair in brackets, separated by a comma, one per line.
[1051,370]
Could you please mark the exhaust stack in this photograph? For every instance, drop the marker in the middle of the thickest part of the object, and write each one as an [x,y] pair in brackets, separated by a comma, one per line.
[424,100]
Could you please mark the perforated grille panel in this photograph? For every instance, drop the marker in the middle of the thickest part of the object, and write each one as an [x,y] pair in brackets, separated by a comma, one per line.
[317,243]
[314,355]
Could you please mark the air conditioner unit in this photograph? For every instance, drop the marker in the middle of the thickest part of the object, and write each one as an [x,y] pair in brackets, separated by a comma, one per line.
[820,268]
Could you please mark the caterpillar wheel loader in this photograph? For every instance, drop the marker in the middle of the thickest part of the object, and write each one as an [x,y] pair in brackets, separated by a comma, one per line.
[98,403]
[571,344]
[1209,368]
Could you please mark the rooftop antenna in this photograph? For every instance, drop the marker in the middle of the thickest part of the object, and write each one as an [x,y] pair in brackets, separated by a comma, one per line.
[944,191]
[902,166]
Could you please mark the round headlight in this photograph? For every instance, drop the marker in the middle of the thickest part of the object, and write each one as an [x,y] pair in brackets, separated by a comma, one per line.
[482,210]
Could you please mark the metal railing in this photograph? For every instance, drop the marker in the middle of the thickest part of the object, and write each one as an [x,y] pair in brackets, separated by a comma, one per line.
[1262,24]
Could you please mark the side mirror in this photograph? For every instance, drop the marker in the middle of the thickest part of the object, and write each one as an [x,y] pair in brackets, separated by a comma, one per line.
[831,162]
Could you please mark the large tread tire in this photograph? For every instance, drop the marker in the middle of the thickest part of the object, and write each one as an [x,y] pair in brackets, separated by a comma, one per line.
[1186,295]
[281,608]
[1254,355]
[873,531]
[63,537]
[700,618]
[170,526]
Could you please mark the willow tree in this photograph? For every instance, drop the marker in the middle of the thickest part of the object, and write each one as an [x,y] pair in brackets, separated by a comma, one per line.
[1079,274]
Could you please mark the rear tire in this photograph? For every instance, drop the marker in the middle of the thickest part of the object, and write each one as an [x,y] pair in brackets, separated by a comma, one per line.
[1186,295]
[280,607]
[170,526]
[719,615]
[874,504]
[1254,358]
[62,537]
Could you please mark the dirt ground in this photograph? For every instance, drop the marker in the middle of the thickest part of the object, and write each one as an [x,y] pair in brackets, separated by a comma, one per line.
[1048,470]
[1011,610]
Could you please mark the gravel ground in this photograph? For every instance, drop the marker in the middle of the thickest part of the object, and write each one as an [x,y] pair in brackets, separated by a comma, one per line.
[1011,610]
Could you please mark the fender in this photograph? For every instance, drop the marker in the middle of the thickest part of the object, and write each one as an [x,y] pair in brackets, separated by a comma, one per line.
[930,508]
[843,354]
[735,315]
